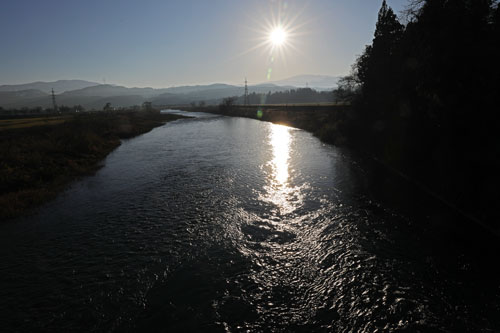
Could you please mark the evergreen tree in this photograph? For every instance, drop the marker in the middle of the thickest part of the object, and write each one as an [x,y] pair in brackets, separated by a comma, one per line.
[375,69]
[428,96]
[378,74]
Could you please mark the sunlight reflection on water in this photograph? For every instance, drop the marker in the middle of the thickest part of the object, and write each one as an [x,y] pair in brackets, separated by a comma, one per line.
[280,142]
[279,190]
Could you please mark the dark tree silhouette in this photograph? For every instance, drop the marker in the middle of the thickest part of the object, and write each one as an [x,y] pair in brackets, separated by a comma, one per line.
[378,78]
[374,65]
[426,98]
[299,95]
[227,103]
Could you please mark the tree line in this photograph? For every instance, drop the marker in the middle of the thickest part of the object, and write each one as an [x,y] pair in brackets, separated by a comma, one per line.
[425,97]
[299,95]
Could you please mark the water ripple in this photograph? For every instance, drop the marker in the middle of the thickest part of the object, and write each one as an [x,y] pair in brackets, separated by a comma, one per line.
[228,224]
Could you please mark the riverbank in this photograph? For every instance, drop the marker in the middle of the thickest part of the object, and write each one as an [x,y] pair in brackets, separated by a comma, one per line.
[39,161]
[327,122]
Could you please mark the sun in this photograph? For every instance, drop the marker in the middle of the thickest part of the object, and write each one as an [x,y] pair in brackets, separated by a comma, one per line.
[277,37]
[278,34]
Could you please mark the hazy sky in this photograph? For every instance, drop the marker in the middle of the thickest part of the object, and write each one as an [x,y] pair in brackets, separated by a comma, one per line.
[161,43]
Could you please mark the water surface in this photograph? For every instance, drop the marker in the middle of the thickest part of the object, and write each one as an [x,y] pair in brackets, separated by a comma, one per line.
[231,224]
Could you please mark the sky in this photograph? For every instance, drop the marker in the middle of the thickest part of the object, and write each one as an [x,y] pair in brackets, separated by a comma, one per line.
[163,43]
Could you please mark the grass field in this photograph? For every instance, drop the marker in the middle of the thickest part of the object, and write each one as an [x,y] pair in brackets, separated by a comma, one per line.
[7,124]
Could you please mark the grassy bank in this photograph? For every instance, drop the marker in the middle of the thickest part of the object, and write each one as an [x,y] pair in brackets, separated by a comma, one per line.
[17,123]
[39,161]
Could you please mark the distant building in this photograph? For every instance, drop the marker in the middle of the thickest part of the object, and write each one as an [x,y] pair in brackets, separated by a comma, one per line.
[147,106]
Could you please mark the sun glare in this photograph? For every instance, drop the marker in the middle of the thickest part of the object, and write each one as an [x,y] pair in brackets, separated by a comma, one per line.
[278,33]
[277,36]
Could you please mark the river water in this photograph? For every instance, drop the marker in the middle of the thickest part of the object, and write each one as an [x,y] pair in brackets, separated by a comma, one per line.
[229,224]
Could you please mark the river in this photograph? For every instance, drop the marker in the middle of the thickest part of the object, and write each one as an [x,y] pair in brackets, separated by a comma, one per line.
[229,224]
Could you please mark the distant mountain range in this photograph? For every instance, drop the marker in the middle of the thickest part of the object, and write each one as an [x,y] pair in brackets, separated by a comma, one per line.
[92,95]
[58,86]
[14,97]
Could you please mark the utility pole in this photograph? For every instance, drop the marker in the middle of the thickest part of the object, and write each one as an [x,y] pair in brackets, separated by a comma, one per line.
[247,100]
[54,101]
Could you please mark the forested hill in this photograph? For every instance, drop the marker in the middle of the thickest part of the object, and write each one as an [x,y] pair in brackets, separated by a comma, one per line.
[426,97]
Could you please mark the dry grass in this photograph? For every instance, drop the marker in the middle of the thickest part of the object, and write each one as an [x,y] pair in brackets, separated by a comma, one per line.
[7,124]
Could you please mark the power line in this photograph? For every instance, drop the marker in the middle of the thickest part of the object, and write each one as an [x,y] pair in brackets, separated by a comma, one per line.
[54,101]
[247,100]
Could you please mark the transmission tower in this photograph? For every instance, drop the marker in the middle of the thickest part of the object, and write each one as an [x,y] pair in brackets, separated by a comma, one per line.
[54,100]
[247,100]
